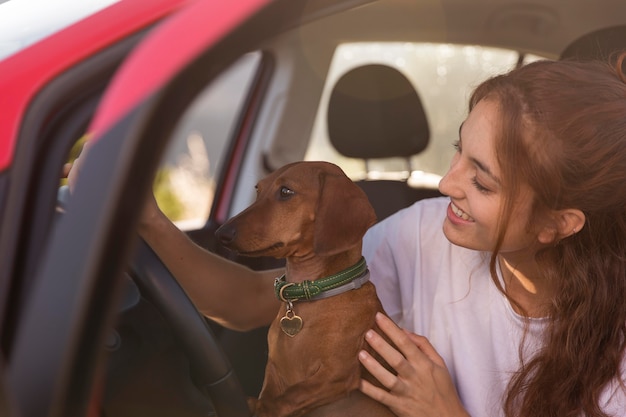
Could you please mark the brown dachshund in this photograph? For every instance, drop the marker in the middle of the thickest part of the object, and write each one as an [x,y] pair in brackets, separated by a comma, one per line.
[314,216]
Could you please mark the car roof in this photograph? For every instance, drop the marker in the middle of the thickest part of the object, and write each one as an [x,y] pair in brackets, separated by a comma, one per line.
[545,29]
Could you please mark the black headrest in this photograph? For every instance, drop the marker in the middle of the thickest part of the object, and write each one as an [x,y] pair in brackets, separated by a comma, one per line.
[375,112]
[599,44]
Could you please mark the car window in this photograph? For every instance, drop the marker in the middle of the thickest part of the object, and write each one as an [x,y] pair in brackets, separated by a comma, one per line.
[443,75]
[185,183]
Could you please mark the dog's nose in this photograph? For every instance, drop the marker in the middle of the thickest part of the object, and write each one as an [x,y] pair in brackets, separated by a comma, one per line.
[226,234]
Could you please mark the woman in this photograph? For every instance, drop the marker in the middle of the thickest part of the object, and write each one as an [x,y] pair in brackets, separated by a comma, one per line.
[512,290]
[538,204]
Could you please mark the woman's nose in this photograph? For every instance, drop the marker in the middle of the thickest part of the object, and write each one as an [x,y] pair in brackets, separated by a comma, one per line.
[443,185]
[449,184]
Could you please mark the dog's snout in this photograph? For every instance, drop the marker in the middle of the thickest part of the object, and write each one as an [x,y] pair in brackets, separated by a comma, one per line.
[226,234]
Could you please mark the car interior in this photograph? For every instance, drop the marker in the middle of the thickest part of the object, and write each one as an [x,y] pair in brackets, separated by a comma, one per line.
[370,85]
[374,114]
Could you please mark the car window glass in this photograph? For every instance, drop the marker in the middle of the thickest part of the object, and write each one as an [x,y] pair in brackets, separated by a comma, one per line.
[185,183]
[443,74]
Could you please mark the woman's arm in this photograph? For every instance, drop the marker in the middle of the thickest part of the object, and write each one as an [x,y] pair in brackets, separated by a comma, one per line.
[231,294]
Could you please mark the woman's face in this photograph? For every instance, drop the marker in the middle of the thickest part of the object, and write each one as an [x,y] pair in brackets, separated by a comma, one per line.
[475,190]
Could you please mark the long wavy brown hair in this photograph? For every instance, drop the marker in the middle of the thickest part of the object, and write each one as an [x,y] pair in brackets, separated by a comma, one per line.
[563,132]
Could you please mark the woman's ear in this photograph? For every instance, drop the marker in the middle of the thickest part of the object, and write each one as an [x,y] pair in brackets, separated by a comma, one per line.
[562,224]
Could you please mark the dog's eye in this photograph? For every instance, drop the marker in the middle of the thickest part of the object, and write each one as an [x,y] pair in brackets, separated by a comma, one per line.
[285,193]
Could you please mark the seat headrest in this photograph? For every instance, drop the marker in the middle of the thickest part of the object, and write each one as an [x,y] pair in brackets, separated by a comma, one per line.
[375,112]
[599,44]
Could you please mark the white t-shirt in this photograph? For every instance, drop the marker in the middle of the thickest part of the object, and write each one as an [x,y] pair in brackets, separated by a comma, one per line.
[445,292]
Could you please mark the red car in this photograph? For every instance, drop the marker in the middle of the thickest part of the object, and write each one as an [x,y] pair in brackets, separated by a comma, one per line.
[197,100]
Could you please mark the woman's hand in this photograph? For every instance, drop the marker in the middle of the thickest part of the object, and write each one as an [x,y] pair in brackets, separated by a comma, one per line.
[422,387]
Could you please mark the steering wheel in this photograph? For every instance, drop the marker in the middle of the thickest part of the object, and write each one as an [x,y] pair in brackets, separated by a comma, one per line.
[211,371]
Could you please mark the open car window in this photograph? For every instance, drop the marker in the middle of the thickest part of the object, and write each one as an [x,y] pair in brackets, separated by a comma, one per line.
[185,183]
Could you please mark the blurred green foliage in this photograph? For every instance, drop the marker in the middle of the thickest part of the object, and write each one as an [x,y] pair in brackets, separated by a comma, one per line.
[165,197]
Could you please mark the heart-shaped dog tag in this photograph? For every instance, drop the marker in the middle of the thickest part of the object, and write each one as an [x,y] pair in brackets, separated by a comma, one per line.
[291,324]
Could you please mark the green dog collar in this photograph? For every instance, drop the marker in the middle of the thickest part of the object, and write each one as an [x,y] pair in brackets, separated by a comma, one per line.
[350,278]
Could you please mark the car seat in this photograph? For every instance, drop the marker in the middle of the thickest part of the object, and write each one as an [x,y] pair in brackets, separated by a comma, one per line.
[374,112]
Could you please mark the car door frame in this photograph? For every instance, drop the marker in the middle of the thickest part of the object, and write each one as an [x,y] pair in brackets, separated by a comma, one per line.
[51,90]
[71,305]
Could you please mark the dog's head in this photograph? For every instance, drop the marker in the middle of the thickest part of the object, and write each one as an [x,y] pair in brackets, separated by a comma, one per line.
[302,208]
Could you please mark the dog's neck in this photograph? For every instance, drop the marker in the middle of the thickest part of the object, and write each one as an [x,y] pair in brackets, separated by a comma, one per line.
[301,268]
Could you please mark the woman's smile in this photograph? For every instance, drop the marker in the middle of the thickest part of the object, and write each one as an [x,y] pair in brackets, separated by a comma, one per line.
[460,213]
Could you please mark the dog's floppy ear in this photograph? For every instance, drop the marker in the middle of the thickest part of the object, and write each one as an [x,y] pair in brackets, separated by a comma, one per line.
[343,215]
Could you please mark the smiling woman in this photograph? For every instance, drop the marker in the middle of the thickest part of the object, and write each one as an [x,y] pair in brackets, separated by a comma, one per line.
[523,287]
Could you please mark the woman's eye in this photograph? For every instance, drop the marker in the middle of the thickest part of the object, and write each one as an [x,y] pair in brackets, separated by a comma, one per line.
[457,145]
[286,192]
[480,187]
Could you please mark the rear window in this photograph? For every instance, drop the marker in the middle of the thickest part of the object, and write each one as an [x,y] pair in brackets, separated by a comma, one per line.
[443,75]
